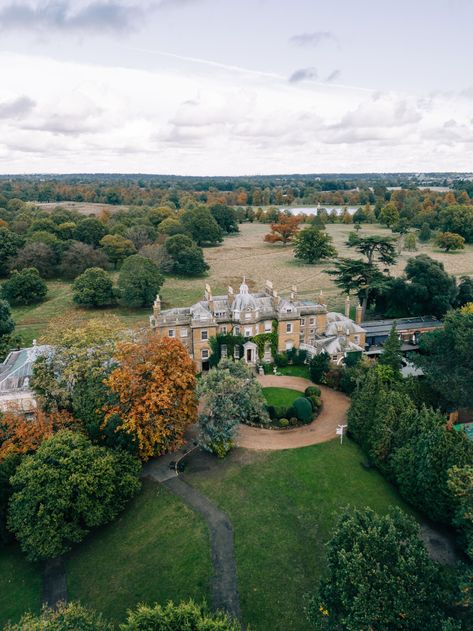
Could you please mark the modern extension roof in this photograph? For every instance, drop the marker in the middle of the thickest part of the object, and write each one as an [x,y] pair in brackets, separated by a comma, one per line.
[383,327]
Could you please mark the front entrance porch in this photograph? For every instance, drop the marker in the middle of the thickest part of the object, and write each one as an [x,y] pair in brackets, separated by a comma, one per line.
[250,353]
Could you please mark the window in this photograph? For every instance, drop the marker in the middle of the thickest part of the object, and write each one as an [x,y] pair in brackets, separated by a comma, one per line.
[289,346]
[248,331]
[236,352]
[247,316]
[289,327]
[223,350]
[205,353]
[184,332]
[171,333]
[223,329]
[302,321]
[357,339]
[311,321]
[237,330]
[204,335]
[267,326]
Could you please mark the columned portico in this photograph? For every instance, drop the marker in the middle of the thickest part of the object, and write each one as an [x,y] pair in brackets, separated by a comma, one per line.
[250,353]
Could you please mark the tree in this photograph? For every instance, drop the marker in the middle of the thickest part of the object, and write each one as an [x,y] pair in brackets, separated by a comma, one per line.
[379,577]
[187,257]
[283,231]
[177,617]
[410,243]
[449,241]
[389,215]
[82,351]
[465,291]
[460,484]
[25,287]
[93,288]
[226,218]
[6,321]
[202,227]
[19,435]
[425,233]
[78,486]
[117,248]
[38,255]
[79,257]
[391,355]
[312,245]
[171,226]
[232,395]
[141,235]
[70,616]
[318,366]
[155,385]
[139,282]
[364,277]
[7,469]
[90,231]
[446,359]
[10,243]
[458,219]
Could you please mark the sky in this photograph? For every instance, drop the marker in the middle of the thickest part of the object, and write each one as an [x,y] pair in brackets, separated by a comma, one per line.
[235,87]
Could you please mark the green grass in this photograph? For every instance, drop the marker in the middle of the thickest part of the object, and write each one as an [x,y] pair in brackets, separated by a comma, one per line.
[283,506]
[283,397]
[157,550]
[295,371]
[20,585]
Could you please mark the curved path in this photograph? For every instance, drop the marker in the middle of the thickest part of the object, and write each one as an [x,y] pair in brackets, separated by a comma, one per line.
[225,594]
[334,410]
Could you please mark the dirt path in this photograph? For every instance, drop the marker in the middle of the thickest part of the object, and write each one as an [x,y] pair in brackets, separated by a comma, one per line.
[54,582]
[334,410]
[224,581]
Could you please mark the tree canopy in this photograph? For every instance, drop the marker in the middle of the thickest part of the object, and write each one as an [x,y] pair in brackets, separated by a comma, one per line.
[93,288]
[312,245]
[25,287]
[139,282]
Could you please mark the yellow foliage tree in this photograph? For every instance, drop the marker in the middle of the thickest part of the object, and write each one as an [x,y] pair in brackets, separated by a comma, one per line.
[155,386]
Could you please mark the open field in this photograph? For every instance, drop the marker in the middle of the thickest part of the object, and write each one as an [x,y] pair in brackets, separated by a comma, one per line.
[244,254]
[283,506]
[84,208]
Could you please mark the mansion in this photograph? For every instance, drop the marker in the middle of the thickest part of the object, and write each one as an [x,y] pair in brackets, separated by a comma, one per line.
[299,323]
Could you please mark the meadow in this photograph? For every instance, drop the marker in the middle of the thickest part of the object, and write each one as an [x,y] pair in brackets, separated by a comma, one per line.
[244,254]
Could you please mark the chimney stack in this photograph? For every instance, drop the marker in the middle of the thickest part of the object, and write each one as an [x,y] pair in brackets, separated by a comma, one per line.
[157,306]
[209,297]
[293,293]
[347,306]
[359,313]
[230,296]
[321,298]
[268,288]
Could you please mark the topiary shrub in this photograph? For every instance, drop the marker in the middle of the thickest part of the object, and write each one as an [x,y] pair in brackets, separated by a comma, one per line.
[291,411]
[303,409]
[283,422]
[311,390]
[315,402]
[293,420]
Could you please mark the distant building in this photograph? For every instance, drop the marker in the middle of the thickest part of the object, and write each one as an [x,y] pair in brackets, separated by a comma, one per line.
[300,323]
[15,374]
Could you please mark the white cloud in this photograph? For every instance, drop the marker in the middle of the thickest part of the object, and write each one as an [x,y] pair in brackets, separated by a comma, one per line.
[77,117]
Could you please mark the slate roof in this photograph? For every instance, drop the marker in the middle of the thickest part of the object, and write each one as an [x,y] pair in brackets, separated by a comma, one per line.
[16,370]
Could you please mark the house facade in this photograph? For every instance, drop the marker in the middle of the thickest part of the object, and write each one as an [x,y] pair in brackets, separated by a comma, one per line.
[299,323]
[16,371]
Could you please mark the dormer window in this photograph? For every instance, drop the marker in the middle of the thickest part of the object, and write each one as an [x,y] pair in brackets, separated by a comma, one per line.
[247,316]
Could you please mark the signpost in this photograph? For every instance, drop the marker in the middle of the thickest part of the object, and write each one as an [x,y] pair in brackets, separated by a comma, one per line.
[340,429]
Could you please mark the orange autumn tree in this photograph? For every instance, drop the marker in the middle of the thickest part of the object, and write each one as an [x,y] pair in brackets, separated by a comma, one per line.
[19,435]
[155,386]
[284,230]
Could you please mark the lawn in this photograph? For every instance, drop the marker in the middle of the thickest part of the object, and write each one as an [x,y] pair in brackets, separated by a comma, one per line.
[20,585]
[283,397]
[283,506]
[295,371]
[157,550]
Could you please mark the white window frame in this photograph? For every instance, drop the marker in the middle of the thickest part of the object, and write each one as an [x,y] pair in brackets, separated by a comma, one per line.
[205,353]
[184,332]
[248,331]
[171,333]
[289,327]
[223,351]
[267,326]
[203,333]
[248,316]
[223,329]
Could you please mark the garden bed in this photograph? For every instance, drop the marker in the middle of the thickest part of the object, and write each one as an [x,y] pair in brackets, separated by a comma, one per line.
[284,408]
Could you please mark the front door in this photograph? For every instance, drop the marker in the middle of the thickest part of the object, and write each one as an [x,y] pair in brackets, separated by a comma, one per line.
[249,356]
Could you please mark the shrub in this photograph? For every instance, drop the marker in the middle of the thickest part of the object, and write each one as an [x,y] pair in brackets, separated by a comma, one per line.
[221,449]
[293,420]
[311,390]
[333,378]
[300,358]
[291,412]
[303,409]
[318,366]
[280,411]
[268,369]
[281,360]
[271,411]
[315,402]
[283,422]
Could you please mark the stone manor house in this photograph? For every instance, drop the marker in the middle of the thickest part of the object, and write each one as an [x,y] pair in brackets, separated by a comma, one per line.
[304,324]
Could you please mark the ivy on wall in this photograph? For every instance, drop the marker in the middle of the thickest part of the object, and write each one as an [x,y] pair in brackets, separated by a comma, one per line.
[264,338]
[230,341]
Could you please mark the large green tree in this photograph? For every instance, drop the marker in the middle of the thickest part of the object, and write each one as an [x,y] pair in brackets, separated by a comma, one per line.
[79,257]
[65,489]
[139,282]
[90,231]
[202,226]
[226,217]
[7,324]
[364,276]
[312,245]
[93,288]
[379,577]
[459,219]
[447,360]
[391,355]
[187,258]
[25,287]
[117,248]
[10,243]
